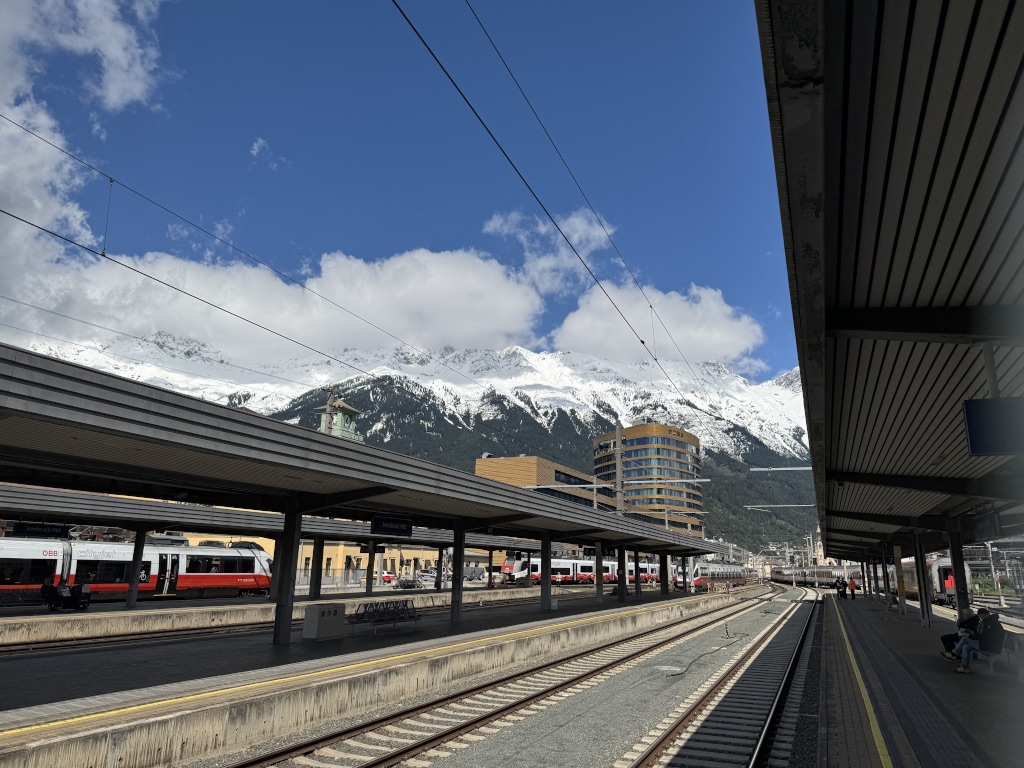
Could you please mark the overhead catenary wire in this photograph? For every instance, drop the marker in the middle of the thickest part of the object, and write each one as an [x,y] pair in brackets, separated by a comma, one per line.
[199,228]
[213,305]
[593,210]
[538,200]
[228,244]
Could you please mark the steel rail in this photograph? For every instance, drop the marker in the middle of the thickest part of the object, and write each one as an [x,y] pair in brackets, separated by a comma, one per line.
[402,754]
[783,691]
[653,754]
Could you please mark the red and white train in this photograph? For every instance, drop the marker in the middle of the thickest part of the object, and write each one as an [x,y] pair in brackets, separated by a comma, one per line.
[708,574]
[519,570]
[167,570]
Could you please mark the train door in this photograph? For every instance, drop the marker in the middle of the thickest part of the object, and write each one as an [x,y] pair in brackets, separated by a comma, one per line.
[167,575]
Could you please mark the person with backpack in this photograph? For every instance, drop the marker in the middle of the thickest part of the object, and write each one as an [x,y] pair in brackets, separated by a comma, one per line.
[842,587]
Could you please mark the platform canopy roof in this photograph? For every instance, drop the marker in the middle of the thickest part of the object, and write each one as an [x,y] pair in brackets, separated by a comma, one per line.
[67,426]
[897,131]
[26,503]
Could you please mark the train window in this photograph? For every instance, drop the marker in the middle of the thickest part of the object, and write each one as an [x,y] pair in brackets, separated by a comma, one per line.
[102,571]
[248,565]
[198,564]
[587,569]
[10,570]
[230,564]
[18,571]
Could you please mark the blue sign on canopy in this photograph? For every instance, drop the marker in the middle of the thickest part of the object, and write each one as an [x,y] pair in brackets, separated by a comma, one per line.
[995,426]
[391,526]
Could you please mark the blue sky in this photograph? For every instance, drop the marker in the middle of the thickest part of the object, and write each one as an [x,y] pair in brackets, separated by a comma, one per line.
[322,138]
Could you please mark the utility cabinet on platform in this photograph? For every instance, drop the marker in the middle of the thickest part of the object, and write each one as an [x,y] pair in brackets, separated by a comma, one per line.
[324,621]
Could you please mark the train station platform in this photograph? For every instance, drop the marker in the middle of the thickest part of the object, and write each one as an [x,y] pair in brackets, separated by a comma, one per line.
[206,695]
[891,699]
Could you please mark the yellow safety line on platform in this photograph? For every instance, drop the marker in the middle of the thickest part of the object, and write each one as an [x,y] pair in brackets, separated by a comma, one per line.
[307,675]
[876,731]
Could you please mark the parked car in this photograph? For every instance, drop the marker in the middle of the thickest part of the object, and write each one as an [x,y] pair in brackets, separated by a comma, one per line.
[387,577]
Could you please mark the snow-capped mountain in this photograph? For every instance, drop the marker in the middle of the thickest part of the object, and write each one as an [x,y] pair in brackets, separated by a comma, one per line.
[468,387]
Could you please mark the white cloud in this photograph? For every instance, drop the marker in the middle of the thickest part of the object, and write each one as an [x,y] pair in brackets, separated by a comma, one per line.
[261,152]
[429,299]
[700,321]
[127,53]
[462,298]
[549,264]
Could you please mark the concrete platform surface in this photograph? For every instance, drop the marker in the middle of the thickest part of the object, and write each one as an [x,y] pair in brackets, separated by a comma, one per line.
[893,700]
[50,677]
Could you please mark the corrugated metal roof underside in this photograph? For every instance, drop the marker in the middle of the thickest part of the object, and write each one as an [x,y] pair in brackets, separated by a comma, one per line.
[897,130]
[65,425]
[46,504]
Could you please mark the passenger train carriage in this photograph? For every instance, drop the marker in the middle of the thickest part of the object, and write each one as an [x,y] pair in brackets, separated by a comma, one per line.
[165,570]
[707,574]
[940,577]
[520,570]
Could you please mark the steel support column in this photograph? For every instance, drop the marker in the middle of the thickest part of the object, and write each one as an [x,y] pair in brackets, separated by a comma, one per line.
[901,586]
[545,571]
[885,580]
[622,582]
[316,568]
[599,570]
[439,581]
[921,568]
[286,560]
[663,571]
[490,565]
[371,561]
[458,568]
[136,569]
[636,573]
[956,554]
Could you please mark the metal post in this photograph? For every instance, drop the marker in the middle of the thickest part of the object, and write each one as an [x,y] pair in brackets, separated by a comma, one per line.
[995,576]
[316,570]
[545,571]
[136,570]
[439,581]
[285,564]
[921,567]
[371,559]
[956,554]
[620,504]
[901,587]
[636,573]
[490,565]
[599,570]
[663,571]
[458,564]
[622,583]
[885,577]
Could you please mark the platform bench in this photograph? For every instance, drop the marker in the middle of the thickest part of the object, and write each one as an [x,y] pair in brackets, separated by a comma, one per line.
[1010,651]
[390,612]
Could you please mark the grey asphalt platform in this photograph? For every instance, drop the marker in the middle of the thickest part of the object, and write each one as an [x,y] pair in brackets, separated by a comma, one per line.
[50,677]
[904,705]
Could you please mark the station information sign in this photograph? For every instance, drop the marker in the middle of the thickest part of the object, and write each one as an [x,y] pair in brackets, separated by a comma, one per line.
[365,549]
[390,526]
[605,551]
[41,530]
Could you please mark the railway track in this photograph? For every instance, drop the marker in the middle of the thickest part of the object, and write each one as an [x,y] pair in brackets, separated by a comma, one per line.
[732,717]
[422,730]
